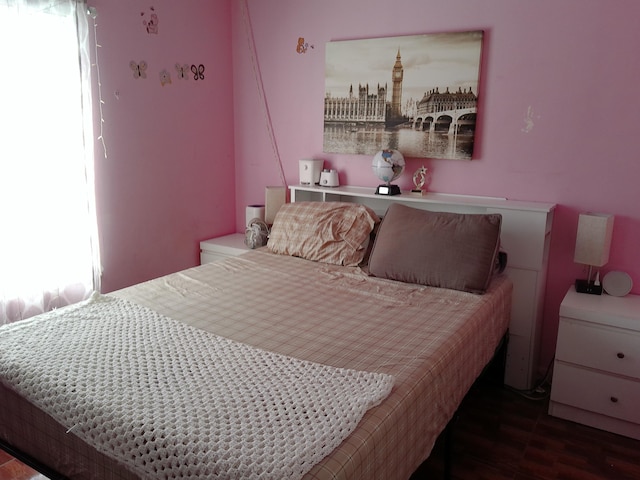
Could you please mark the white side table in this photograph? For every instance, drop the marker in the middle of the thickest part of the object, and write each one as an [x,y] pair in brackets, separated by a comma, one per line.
[596,376]
[219,248]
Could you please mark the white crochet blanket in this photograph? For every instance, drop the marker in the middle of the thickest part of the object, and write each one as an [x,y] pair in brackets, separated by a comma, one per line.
[172,401]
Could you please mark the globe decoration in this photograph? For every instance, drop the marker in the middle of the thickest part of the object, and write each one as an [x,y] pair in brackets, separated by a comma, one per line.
[388,165]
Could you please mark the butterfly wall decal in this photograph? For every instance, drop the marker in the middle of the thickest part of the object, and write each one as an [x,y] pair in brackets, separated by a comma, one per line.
[139,69]
[152,24]
[198,72]
[183,71]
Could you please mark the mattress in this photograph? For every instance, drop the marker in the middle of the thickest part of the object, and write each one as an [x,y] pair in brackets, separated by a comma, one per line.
[434,342]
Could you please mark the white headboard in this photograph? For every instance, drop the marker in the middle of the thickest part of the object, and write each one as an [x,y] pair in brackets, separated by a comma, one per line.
[525,236]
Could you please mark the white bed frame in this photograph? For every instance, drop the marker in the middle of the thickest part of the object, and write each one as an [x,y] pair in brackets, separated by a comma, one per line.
[526,232]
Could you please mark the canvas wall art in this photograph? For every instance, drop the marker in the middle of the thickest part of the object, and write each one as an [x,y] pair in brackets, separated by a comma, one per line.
[417,94]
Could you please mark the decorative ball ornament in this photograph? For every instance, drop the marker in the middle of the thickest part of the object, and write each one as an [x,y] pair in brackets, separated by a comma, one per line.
[388,165]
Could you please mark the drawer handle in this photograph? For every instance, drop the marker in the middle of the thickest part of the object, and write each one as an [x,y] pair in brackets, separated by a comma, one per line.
[620,355]
[614,399]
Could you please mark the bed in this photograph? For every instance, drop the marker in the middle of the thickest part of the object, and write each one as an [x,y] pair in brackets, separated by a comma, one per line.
[335,291]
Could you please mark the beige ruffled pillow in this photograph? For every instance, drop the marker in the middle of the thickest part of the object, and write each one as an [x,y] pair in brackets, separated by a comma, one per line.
[329,232]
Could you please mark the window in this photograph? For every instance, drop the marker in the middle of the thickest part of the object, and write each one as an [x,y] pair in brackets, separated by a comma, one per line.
[48,252]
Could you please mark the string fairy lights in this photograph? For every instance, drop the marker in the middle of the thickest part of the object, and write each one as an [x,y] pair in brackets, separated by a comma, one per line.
[93,13]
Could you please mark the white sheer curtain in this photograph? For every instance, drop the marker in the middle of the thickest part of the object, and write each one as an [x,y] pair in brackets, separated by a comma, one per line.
[48,248]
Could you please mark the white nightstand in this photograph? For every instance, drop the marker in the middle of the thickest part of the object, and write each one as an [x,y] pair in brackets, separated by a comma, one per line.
[596,377]
[220,248]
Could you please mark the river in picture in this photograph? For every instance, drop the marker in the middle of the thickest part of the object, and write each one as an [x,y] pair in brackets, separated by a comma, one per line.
[368,139]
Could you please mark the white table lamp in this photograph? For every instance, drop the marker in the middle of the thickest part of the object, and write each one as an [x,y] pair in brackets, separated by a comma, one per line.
[593,242]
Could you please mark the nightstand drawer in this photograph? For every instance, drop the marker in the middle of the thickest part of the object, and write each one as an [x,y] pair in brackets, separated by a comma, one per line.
[604,348]
[596,392]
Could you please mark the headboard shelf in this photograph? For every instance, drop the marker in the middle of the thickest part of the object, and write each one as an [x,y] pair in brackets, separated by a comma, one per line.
[350,192]
[525,236]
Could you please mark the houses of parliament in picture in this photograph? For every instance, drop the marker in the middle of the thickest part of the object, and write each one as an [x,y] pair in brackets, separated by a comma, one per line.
[442,112]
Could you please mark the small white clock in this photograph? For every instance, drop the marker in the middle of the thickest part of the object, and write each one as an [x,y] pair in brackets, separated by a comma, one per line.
[617,284]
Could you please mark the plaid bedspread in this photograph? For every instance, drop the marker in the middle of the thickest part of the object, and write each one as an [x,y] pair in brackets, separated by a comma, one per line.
[434,342]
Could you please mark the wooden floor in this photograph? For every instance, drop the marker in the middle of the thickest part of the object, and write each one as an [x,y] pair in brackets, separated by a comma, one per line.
[11,469]
[501,435]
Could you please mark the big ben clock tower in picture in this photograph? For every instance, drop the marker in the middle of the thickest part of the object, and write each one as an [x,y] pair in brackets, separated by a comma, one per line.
[396,96]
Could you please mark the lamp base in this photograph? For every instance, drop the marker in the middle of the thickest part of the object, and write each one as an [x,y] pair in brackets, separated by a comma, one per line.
[388,190]
[585,286]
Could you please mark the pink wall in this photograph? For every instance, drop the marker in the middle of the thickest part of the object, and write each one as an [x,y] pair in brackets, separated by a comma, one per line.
[168,179]
[569,66]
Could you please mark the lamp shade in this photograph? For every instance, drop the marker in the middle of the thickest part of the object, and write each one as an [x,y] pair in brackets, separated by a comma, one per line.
[594,239]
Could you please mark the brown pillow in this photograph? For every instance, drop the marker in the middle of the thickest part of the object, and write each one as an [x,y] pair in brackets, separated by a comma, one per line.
[328,232]
[440,249]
